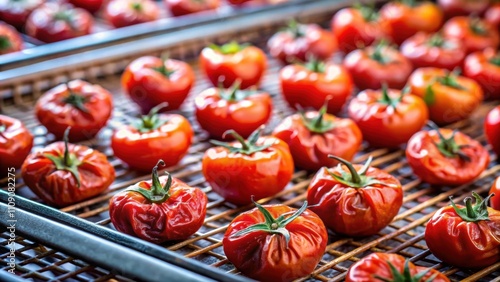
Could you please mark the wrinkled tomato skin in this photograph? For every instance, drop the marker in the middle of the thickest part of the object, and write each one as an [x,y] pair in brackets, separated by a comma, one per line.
[90,5]
[59,187]
[43,25]
[120,13]
[492,129]
[453,8]
[56,115]
[478,67]
[374,264]
[492,15]
[448,104]
[495,189]
[434,168]
[308,89]
[461,243]
[459,28]
[185,7]
[247,65]
[217,115]
[370,74]
[353,31]
[15,41]
[16,12]
[310,150]
[148,87]
[237,177]
[177,218]
[421,55]
[316,42]
[351,211]
[384,126]
[141,151]
[15,144]
[266,257]
[405,21]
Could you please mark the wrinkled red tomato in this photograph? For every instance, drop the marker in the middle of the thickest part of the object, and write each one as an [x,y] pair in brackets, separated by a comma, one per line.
[10,39]
[492,129]
[15,144]
[185,7]
[495,189]
[484,67]
[122,13]
[15,12]
[159,210]
[475,33]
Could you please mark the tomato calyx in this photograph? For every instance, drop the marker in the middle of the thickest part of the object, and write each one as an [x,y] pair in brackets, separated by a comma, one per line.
[234,94]
[296,29]
[409,3]
[151,121]
[66,16]
[317,124]
[230,48]
[478,27]
[368,12]
[354,178]
[391,102]
[405,276]
[378,53]
[436,40]
[157,194]
[248,147]
[449,80]
[4,43]
[136,6]
[163,68]
[447,146]
[272,225]
[315,65]
[75,100]
[495,60]
[476,212]
[68,161]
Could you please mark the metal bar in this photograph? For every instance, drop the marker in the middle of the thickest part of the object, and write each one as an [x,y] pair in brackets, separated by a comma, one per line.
[122,239]
[96,250]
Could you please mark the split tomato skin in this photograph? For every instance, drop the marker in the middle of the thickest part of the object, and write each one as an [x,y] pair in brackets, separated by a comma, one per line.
[476,34]
[492,129]
[484,68]
[186,7]
[150,81]
[266,257]
[16,12]
[121,13]
[15,144]
[10,40]
[495,189]
[453,8]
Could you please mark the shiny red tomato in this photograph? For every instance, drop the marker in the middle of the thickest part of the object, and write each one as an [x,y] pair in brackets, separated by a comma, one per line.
[16,12]
[275,243]
[450,97]
[445,157]
[15,144]
[492,129]
[408,17]
[90,5]
[309,85]
[495,189]
[150,81]
[63,174]
[185,7]
[358,27]
[219,110]
[10,39]
[226,64]
[84,107]
[432,50]
[122,13]
[300,42]
[312,136]
[492,15]
[465,236]
[475,33]
[53,22]
[162,209]
[355,200]
[391,267]
[376,65]
[484,67]
[153,137]
[388,117]
[453,8]
[259,167]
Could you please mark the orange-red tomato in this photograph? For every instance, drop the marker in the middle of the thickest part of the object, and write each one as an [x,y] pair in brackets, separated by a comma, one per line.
[495,189]
[484,67]
[492,15]
[492,129]
[475,33]
[122,13]
[10,40]
[185,7]
[15,144]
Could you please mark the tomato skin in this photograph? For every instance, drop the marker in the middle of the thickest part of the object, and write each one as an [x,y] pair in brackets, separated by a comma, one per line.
[492,129]
[434,168]
[90,5]
[15,144]
[406,21]
[352,30]
[141,151]
[492,15]
[121,13]
[16,13]
[247,65]
[447,104]
[57,115]
[383,125]
[217,115]
[175,219]
[453,8]
[460,28]
[309,89]
[368,73]
[351,211]
[43,24]
[265,257]
[60,187]
[314,41]
[478,67]
[14,39]
[377,264]
[237,176]
[495,189]
[461,243]
[185,7]
[448,56]
[149,88]
[310,150]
